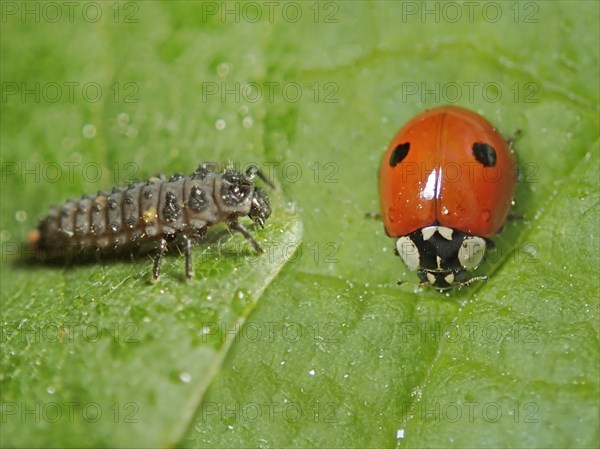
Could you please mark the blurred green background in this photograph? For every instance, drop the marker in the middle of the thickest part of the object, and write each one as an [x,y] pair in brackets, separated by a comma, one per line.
[312,344]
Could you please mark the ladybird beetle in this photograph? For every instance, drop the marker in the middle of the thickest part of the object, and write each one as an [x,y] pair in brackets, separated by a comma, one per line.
[159,210]
[446,184]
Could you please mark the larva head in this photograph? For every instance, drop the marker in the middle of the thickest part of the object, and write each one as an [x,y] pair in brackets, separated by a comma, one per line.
[261,207]
[239,196]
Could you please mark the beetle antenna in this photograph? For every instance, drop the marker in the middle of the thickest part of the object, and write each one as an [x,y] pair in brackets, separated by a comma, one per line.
[514,137]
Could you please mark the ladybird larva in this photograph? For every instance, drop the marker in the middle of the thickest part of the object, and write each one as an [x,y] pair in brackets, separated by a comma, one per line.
[158,210]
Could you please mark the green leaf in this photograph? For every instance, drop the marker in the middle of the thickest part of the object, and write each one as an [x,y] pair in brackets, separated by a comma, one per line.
[99,354]
[96,355]
[327,350]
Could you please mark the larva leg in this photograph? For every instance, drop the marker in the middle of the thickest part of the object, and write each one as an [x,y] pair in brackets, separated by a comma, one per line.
[235,226]
[160,250]
[200,233]
[189,271]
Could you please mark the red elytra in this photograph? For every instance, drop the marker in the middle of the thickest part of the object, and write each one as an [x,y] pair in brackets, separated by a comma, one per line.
[448,166]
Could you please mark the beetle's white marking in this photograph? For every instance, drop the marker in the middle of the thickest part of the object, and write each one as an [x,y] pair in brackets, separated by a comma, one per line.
[471,252]
[409,253]
[438,260]
[449,279]
[428,232]
[442,230]
[445,232]
[430,278]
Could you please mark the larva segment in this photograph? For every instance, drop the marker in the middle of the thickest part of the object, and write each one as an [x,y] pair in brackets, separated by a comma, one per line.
[145,223]
[200,208]
[125,215]
[234,194]
[170,206]
[66,220]
[82,217]
[97,232]
[115,213]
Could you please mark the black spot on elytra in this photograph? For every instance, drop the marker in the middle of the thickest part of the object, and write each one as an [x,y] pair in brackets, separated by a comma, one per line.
[399,153]
[485,154]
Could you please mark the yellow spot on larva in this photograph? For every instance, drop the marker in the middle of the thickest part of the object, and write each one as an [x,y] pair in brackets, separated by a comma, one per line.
[149,216]
[100,200]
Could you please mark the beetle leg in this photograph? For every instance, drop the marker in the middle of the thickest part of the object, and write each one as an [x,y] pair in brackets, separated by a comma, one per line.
[514,137]
[473,279]
[236,226]
[373,215]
